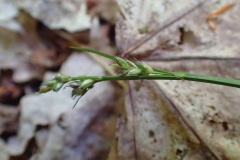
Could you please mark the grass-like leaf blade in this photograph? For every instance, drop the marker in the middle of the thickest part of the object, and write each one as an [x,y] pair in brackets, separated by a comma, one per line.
[93,51]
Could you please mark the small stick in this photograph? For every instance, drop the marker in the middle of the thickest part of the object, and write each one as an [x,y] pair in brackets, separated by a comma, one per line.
[216,13]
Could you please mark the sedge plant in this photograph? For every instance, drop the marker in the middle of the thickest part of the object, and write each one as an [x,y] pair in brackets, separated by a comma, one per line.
[128,70]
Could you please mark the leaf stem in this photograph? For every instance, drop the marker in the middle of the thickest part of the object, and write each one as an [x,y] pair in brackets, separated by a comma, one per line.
[213,80]
[186,76]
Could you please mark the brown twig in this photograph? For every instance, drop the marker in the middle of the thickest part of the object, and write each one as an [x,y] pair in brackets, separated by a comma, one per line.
[161,28]
[216,13]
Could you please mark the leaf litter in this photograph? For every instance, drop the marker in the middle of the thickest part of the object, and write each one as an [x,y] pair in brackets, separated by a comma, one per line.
[151,128]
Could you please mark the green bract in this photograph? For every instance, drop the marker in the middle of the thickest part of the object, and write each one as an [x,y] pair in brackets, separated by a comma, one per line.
[134,72]
[57,86]
[51,83]
[87,83]
[44,89]
[63,78]
[131,63]
[147,68]
[121,62]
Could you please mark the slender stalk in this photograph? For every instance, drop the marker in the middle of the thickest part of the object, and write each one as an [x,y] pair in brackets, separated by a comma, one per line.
[213,80]
[188,77]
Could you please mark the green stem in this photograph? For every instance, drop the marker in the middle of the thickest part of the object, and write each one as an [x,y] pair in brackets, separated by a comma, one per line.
[80,78]
[188,77]
[213,80]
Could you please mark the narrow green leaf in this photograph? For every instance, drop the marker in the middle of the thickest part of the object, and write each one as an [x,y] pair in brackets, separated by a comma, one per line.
[94,51]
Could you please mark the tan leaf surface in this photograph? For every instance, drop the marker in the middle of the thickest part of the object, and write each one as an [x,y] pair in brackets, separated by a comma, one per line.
[143,17]
[212,109]
[153,130]
[190,46]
